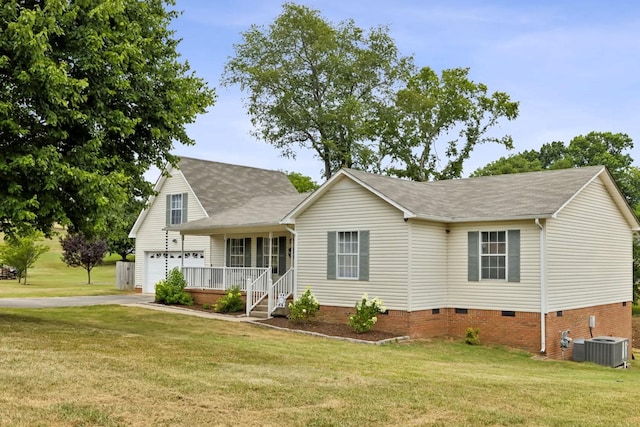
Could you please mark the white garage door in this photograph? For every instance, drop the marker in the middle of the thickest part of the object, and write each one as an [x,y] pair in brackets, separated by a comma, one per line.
[158,263]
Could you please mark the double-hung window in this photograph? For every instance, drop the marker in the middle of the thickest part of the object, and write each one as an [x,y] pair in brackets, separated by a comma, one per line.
[348,255]
[275,253]
[494,255]
[236,252]
[176,208]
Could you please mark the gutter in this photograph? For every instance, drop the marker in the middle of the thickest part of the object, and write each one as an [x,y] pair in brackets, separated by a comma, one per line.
[543,286]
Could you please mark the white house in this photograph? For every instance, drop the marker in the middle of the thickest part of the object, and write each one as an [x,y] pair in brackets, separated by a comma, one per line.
[523,257]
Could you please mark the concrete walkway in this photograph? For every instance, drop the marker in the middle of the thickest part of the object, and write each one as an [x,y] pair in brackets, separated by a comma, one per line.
[133,300]
[75,301]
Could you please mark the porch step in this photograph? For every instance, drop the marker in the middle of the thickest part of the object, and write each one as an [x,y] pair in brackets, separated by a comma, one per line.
[261,311]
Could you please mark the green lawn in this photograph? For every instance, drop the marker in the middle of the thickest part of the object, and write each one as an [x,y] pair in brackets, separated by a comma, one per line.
[51,277]
[120,366]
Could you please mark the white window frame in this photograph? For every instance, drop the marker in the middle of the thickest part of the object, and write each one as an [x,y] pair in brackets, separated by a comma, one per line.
[492,251]
[236,252]
[347,260]
[175,215]
[275,253]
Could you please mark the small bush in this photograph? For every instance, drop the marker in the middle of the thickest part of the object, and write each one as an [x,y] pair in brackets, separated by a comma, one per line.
[231,302]
[171,291]
[304,308]
[635,310]
[472,337]
[206,306]
[366,314]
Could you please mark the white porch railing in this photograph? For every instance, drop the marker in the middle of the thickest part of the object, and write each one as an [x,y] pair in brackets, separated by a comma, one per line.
[257,290]
[221,278]
[283,286]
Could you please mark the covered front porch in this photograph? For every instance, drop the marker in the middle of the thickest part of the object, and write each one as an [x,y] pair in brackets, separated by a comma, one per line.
[250,249]
[264,296]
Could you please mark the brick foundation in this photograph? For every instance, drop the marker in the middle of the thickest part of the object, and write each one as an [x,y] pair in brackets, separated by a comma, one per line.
[611,320]
[208,296]
[512,329]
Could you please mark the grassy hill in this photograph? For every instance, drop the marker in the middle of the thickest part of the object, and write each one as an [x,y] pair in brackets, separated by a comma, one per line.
[52,277]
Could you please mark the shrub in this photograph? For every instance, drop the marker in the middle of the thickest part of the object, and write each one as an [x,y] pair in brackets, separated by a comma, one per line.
[171,291]
[304,308]
[366,314]
[471,337]
[231,302]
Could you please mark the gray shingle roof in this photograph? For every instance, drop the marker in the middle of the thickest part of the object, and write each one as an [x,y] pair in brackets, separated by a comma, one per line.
[524,195]
[220,186]
[256,212]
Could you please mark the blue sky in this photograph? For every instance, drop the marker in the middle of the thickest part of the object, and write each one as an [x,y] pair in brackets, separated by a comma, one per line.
[574,66]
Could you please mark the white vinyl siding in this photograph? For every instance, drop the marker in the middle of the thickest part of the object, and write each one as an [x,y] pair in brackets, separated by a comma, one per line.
[349,207]
[489,294]
[589,247]
[151,237]
[428,259]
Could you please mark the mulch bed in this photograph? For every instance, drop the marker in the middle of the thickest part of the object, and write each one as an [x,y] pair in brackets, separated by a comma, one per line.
[330,329]
[324,328]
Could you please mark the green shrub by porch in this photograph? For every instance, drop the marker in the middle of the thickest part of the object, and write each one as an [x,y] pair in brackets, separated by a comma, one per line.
[231,302]
[304,308]
[171,291]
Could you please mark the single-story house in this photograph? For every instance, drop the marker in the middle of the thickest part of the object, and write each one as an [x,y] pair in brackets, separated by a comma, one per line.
[524,258]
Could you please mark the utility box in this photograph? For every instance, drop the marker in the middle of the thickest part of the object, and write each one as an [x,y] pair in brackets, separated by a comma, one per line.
[578,350]
[607,351]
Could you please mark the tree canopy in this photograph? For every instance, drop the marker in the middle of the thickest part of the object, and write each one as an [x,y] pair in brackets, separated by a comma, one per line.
[22,253]
[80,251]
[431,108]
[302,183]
[92,93]
[316,85]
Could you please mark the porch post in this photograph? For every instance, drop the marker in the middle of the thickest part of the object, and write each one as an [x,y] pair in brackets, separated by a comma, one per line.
[249,297]
[269,275]
[182,253]
[224,268]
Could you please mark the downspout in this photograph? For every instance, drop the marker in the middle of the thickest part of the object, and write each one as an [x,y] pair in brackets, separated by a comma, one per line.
[543,287]
[295,260]
[182,253]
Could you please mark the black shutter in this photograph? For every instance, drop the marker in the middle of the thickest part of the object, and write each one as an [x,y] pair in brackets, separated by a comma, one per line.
[363,249]
[228,244]
[168,210]
[513,248]
[473,257]
[282,255]
[185,204]
[331,255]
[247,251]
[259,253]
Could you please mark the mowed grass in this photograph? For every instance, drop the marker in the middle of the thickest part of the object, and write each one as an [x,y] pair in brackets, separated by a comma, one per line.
[51,277]
[124,366]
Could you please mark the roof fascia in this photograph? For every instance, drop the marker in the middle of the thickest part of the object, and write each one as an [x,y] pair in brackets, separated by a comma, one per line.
[291,216]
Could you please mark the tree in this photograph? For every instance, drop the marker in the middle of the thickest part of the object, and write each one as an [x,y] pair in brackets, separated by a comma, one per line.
[22,253]
[430,109]
[78,251]
[92,94]
[315,84]
[302,183]
[123,220]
